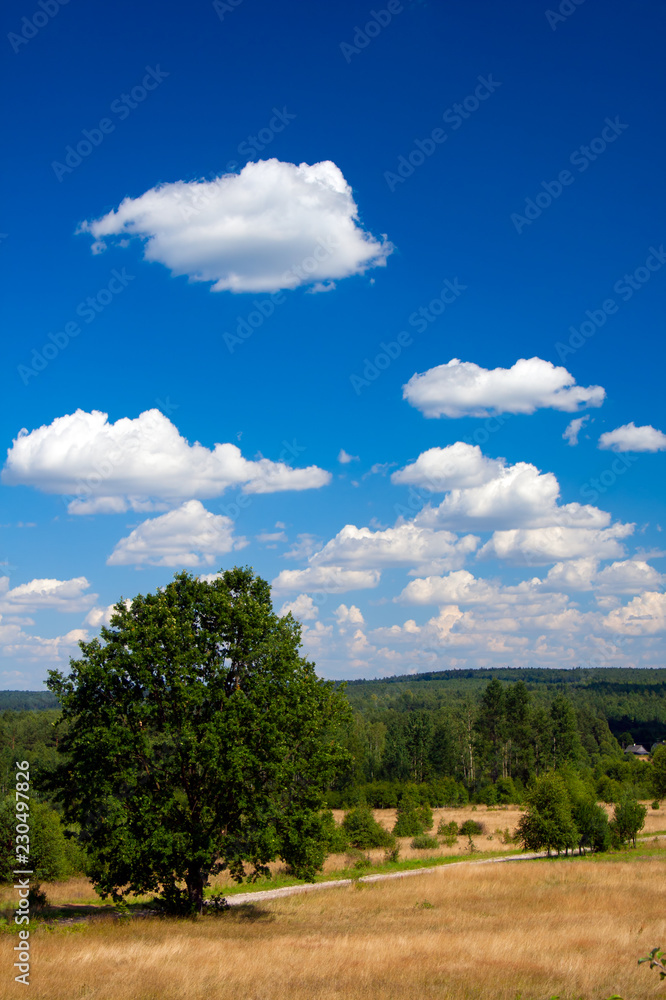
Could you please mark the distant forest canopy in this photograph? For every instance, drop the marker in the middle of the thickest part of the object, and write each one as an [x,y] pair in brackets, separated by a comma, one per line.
[27,701]
[633,701]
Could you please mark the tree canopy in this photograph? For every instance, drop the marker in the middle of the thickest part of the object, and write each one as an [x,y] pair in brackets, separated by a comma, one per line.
[196,738]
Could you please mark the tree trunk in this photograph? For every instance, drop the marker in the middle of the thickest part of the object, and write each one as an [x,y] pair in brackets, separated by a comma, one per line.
[195,889]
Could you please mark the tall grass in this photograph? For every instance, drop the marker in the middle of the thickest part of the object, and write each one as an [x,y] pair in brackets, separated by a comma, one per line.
[574,928]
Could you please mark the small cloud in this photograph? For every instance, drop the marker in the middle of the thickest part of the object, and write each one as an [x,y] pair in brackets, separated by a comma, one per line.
[344,458]
[303,608]
[573,429]
[628,437]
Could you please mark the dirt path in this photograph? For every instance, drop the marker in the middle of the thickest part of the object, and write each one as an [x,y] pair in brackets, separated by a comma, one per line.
[242,898]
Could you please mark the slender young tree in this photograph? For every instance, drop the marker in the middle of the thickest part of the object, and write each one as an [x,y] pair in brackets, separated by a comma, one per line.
[197,739]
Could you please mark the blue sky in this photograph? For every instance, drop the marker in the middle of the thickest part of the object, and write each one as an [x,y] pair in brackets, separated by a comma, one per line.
[322,208]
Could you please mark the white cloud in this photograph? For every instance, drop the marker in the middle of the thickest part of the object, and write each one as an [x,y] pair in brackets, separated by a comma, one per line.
[457,466]
[487,494]
[25,648]
[348,617]
[630,576]
[270,538]
[187,536]
[97,617]
[644,615]
[274,225]
[406,544]
[460,587]
[303,608]
[344,458]
[632,438]
[573,429]
[329,579]
[57,595]
[462,389]
[113,467]
[539,546]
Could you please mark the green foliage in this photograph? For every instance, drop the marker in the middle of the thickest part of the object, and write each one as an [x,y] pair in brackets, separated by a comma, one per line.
[412,820]
[592,823]
[659,772]
[657,960]
[424,842]
[507,793]
[447,829]
[472,828]
[53,857]
[334,837]
[548,822]
[363,831]
[197,739]
[655,804]
[628,820]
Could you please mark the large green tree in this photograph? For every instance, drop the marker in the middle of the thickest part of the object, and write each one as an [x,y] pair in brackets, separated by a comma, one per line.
[659,772]
[197,739]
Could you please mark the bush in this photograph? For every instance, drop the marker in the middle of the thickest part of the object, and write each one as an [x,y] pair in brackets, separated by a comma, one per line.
[447,829]
[655,804]
[487,796]
[363,830]
[424,842]
[392,853]
[507,793]
[335,837]
[472,828]
[412,819]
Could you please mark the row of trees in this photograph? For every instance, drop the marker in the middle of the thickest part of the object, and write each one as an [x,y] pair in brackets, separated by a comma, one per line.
[562,815]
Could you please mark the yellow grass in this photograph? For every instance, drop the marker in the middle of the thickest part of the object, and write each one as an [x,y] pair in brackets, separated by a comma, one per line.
[489,932]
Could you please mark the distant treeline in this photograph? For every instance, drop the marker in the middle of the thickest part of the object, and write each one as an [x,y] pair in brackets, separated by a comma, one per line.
[485,735]
[27,701]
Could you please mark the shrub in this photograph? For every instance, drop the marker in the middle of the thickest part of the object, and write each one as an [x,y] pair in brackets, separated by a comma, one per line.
[54,857]
[357,859]
[472,828]
[487,796]
[424,842]
[363,830]
[655,804]
[412,819]
[507,793]
[335,837]
[392,853]
[447,829]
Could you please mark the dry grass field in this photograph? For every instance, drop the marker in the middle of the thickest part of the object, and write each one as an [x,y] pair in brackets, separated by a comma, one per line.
[529,930]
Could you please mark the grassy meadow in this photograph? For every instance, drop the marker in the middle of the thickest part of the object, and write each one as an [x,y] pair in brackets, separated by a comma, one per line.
[530,930]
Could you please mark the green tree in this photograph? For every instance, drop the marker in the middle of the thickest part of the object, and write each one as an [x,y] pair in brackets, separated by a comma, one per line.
[659,772]
[592,823]
[198,740]
[628,819]
[564,729]
[363,831]
[548,821]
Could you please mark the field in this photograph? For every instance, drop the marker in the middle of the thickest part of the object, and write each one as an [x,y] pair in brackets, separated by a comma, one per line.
[530,930]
